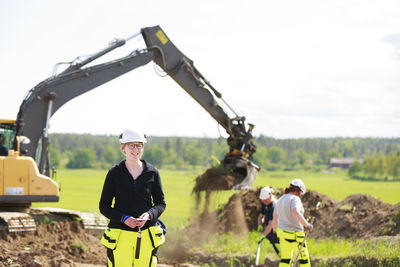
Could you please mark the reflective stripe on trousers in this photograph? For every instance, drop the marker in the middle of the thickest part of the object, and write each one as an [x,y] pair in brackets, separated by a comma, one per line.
[124,253]
[274,240]
[290,243]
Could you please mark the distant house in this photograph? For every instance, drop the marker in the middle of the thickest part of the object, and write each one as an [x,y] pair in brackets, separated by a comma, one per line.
[343,163]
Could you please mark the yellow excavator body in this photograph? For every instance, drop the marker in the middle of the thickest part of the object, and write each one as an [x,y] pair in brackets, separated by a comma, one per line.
[20,178]
[21,183]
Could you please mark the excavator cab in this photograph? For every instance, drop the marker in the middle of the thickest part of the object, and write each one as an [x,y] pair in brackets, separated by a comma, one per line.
[7,134]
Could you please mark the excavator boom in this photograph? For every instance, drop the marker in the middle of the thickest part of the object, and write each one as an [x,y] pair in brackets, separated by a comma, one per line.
[48,96]
[23,182]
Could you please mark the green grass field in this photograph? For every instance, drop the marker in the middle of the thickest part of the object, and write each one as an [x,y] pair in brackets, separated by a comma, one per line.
[81,190]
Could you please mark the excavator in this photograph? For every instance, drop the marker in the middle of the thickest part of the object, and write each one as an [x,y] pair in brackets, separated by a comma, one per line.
[25,171]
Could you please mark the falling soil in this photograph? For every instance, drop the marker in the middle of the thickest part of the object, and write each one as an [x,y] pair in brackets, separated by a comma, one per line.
[216,179]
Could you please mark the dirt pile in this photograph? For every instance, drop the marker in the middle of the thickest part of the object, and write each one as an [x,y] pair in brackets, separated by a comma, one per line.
[240,213]
[55,244]
[357,216]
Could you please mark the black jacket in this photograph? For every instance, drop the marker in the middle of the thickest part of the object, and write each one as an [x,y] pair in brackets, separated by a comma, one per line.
[268,212]
[133,197]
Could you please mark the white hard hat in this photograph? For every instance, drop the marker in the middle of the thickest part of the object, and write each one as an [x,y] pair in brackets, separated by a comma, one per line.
[129,136]
[299,183]
[265,193]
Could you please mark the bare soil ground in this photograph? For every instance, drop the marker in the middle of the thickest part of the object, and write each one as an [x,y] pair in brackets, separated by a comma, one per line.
[62,243]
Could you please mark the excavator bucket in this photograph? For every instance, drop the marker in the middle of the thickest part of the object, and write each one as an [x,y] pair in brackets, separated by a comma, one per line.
[249,179]
[236,173]
[247,168]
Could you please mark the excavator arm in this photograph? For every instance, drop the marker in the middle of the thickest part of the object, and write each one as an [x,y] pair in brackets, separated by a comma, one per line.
[47,97]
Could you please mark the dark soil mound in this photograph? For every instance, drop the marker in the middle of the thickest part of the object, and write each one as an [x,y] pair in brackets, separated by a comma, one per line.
[55,244]
[231,217]
[357,216]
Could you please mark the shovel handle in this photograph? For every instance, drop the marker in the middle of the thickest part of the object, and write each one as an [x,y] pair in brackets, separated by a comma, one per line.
[258,250]
[302,245]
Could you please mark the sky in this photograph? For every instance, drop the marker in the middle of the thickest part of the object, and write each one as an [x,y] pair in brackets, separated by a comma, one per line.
[293,68]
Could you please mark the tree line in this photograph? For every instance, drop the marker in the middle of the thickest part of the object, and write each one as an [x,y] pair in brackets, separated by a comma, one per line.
[384,167]
[102,151]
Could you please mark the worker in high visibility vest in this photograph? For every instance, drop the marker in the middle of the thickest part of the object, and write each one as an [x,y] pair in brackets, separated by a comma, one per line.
[289,223]
[134,232]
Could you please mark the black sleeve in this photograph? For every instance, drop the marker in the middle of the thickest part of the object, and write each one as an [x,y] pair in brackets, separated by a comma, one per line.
[270,213]
[107,196]
[158,199]
[262,211]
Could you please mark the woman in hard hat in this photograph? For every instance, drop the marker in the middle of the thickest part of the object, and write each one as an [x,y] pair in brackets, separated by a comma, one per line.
[289,223]
[133,233]
[265,217]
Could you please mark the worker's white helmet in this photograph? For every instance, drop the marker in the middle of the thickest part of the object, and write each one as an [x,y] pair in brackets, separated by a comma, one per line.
[299,183]
[265,193]
[129,136]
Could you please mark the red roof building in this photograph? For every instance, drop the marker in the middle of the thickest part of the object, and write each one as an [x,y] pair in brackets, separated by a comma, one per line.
[343,163]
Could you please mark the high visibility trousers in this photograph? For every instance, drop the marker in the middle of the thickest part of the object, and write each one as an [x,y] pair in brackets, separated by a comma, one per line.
[125,252]
[290,242]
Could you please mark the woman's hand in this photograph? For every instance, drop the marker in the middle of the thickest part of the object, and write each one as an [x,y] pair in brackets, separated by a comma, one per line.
[142,219]
[131,222]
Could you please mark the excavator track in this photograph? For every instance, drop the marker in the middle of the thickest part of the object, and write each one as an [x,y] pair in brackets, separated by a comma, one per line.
[92,223]
[16,222]
[10,221]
